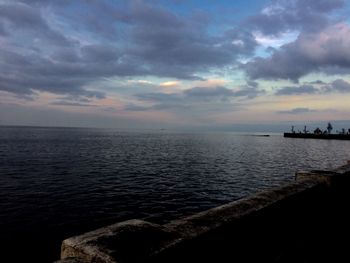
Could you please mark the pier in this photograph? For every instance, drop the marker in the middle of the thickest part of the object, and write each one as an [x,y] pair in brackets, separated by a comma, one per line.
[317,136]
[304,221]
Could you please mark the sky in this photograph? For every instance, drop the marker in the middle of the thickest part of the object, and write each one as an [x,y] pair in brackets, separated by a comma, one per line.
[174,64]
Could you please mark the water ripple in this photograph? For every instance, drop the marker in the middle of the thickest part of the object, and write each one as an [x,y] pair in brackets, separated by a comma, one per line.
[60,182]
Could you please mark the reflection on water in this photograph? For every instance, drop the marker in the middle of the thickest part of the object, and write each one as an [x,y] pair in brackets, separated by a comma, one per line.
[57,182]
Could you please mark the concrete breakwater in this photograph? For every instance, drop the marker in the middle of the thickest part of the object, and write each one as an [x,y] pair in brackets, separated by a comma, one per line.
[317,136]
[304,221]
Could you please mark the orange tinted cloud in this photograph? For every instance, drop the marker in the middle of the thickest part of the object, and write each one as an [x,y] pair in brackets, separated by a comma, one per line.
[170,84]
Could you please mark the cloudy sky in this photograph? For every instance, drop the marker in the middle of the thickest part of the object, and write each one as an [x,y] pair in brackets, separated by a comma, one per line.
[174,63]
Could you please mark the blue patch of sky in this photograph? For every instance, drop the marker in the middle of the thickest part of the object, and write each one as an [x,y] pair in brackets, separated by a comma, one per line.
[224,14]
[264,50]
[346,11]
[239,8]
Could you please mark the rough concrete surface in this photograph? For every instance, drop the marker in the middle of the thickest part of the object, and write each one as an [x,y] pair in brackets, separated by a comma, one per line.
[303,221]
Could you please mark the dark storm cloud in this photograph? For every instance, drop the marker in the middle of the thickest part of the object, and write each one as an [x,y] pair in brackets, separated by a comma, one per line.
[204,98]
[23,74]
[64,47]
[222,93]
[297,111]
[159,106]
[320,47]
[161,101]
[283,64]
[99,53]
[25,65]
[141,13]
[2,29]
[297,90]
[311,52]
[340,86]
[157,96]
[64,72]
[134,107]
[316,82]
[65,54]
[70,103]
[253,84]
[250,90]
[77,98]
[165,44]
[41,2]
[319,87]
[139,39]
[21,17]
[200,92]
[285,15]
[170,45]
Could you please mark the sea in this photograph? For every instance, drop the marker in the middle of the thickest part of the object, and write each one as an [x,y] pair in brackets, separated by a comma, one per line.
[60,182]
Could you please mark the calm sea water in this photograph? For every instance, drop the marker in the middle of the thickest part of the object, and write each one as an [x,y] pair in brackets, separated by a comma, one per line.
[59,182]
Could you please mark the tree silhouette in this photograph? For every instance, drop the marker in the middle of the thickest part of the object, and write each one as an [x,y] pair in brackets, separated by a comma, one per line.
[329,127]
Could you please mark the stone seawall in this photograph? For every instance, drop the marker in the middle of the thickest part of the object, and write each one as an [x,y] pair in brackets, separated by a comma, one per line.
[304,221]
